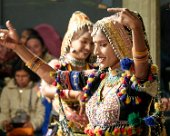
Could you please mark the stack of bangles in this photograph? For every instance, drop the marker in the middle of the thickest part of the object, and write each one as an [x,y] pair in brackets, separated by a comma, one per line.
[140,56]
[34,63]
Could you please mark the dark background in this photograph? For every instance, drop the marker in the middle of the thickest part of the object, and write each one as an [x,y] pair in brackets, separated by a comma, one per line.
[29,13]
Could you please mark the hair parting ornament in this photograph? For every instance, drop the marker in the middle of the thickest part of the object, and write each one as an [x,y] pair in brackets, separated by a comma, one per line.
[77,21]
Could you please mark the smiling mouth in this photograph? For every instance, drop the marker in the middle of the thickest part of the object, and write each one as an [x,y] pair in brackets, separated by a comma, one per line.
[100,60]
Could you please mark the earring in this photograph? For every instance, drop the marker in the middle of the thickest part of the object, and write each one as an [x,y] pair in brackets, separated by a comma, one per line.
[72,50]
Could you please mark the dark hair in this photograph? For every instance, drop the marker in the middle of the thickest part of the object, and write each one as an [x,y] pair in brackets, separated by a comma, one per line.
[2,27]
[20,65]
[39,38]
[31,31]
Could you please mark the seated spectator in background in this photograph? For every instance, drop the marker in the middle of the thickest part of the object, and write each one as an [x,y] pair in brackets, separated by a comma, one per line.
[26,33]
[36,44]
[51,38]
[19,96]
[7,60]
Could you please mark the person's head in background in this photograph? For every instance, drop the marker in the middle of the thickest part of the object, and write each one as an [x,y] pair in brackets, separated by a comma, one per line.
[36,44]
[77,41]
[3,53]
[26,33]
[22,75]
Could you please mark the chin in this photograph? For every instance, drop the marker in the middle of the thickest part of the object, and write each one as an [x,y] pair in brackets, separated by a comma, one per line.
[83,57]
[102,66]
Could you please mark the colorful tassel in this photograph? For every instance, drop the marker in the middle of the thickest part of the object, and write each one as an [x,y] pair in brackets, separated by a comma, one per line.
[134,119]
[150,121]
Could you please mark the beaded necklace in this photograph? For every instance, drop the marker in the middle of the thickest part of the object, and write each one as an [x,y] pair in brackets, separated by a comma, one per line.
[111,80]
[75,62]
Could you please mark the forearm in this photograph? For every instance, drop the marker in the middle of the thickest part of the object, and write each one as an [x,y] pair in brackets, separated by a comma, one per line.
[71,94]
[139,44]
[42,69]
[140,53]
[47,90]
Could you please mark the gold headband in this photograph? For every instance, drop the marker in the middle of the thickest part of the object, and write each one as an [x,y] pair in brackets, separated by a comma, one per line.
[77,21]
[117,36]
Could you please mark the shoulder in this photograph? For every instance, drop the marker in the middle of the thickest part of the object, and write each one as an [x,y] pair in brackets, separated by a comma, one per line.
[48,57]
[54,62]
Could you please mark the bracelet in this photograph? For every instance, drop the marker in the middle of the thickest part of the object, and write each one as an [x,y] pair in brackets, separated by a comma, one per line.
[69,94]
[34,63]
[36,66]
[138,54]
[31,62]
[141,60]
[64,93]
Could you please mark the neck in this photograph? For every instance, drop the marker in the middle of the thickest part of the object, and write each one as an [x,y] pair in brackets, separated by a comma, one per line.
[115,65]
[114,69]
[75,62]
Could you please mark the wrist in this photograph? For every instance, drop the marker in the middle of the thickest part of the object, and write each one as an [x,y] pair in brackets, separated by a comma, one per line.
[16,47]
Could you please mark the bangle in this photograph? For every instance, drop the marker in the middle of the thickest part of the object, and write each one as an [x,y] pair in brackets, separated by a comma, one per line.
[66,93]
[69,94]
[139,54]
[141,60]
[37,65]
[31,62]
[34,63]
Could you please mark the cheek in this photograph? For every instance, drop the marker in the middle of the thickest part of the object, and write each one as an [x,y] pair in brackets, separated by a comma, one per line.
[38,50]
[77,46]
[25,81]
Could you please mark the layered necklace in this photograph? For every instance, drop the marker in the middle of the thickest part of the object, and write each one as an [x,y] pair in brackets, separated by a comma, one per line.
[110,81]
[74,62]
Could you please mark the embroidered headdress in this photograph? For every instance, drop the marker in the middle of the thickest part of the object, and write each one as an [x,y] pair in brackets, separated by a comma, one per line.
[77,21]
[117,35]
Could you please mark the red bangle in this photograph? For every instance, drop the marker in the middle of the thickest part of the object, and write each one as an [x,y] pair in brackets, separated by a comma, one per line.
[69,94]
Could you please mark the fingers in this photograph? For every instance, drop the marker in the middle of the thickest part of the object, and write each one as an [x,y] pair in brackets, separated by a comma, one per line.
[12,32]
[9,25]
[115,10]
[3,33]
[82,109]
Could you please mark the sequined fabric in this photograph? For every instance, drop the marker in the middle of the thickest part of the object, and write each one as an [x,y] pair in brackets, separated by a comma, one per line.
[105,112]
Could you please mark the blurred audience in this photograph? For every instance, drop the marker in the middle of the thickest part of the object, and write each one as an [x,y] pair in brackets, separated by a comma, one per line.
[36,44]
[7,60]
[22,112]
[51,38]
[26,33]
